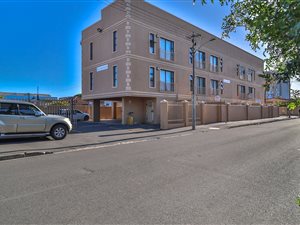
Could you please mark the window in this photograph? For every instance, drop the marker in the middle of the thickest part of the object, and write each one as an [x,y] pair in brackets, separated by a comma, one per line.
[91,81]
[152,77]
[166,49]
[242,72]
[214,63]
[241,91]
[8,109]
[28,110]
[91,51]
[251,75]
[200,82]
[190,56]
[251,93]
[200,59]
[115,76]
[214,87]
[115,41]
[166,80]
[221,65]
[151,44]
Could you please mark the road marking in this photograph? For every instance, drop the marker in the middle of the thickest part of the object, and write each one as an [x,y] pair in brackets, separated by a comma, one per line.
[214,128]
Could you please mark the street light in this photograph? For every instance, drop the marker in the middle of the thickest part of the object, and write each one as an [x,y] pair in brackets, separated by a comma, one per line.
[192,37]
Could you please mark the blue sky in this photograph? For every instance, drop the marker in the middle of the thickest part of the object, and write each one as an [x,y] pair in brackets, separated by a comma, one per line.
[40,39]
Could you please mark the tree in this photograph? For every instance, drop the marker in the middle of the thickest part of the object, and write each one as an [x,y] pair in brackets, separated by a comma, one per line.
[270,24]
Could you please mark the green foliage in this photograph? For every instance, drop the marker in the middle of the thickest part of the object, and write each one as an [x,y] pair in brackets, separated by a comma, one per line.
[273,25]
[298,200]
[1,97]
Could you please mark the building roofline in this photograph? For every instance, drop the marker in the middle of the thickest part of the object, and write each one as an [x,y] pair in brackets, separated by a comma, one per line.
[190,24]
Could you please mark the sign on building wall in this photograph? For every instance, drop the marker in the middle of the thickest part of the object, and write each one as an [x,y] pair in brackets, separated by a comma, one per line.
[226,81]
[101,68]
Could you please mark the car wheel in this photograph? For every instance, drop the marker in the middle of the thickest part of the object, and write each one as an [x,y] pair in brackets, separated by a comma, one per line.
[59,132]
[86,118]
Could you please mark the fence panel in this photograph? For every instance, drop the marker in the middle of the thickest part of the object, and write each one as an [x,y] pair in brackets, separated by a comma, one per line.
[175,114]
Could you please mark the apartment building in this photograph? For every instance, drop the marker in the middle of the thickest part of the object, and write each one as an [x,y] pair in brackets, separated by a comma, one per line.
[138,54]
[279,92]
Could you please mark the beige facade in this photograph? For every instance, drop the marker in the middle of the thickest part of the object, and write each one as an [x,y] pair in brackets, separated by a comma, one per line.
[129,26]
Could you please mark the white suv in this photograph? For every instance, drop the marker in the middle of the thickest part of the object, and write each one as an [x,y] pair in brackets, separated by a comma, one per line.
[23,119]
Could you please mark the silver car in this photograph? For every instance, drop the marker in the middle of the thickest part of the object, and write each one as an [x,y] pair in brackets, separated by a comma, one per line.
[23,119]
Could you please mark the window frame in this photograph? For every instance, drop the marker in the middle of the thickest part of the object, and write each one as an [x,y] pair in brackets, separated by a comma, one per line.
[201,64]
[115,41]
[154,77]
[172,47]
[152,42]
[91,81]
[213,68]
[217,86]
[172,87]
[91,51]
[115,76]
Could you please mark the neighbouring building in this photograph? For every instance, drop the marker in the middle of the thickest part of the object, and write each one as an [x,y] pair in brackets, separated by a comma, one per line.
[138,55]
[30,97]
[279,92]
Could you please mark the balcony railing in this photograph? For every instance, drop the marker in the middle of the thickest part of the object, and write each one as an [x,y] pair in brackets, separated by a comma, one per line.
[201,90]
[200,64]
[242,96]
[213,68]
[251,96]
[167,55]
[166,87]
[214,91]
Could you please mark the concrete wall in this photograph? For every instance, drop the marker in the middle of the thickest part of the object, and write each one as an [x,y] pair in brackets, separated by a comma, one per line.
[254,112]
[211,113]
[237,112]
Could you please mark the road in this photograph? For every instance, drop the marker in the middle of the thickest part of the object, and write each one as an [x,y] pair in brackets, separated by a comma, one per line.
[239,176]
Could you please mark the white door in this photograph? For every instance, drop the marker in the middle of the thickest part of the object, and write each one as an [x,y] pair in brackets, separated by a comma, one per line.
[149,111]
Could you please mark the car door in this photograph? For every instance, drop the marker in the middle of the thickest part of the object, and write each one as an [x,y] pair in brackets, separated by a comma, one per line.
[9,117]
[29,122]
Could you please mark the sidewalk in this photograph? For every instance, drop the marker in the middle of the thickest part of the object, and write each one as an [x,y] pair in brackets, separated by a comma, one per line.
[96,134]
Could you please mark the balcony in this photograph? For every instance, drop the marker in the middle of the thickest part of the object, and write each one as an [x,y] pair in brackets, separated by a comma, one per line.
[166,55]
[200,64]
[201,91]
[214,91]
[213,68]
[166,87]
[242,96]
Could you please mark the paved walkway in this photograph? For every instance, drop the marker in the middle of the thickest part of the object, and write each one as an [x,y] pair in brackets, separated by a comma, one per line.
[89,134]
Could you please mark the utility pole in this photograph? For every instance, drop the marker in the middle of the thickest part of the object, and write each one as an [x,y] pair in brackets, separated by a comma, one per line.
[193,52]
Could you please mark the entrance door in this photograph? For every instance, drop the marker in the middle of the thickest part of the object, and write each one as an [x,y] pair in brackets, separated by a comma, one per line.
[149,111]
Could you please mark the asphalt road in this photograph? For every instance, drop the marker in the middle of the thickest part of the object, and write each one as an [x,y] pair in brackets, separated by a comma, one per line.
[247,175]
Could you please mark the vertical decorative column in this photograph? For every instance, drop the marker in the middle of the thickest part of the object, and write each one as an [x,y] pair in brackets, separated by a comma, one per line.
[164,115]
[128,44]
[96,110]
[202,111]
[227,111]
[247,111]
[185,112]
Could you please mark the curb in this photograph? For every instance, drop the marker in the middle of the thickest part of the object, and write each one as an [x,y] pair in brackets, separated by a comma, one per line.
[23,155]
[258,123]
